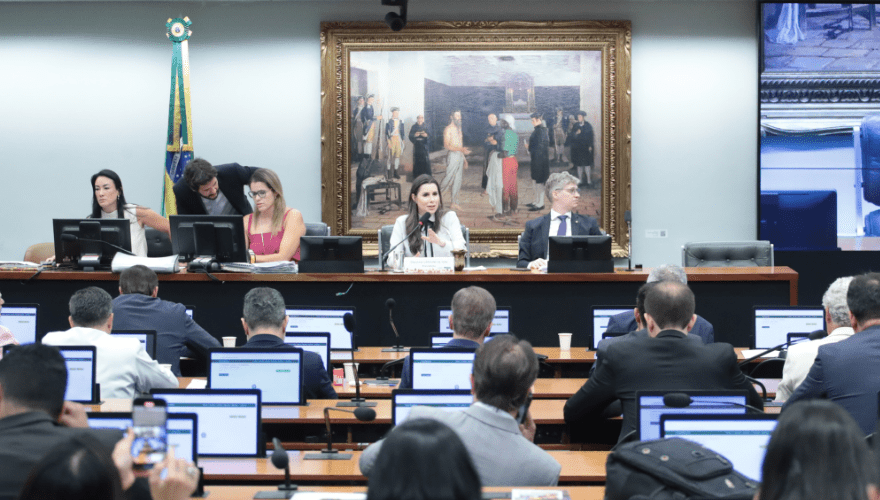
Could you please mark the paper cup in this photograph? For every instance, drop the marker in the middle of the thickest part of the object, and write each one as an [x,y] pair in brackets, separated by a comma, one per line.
[165,366]
[565,341]
[349,372]
[228,341]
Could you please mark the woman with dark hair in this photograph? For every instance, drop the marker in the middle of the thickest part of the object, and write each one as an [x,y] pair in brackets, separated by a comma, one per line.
[818,451]
[108,202]
[423,459]
[273,230]
[425,198]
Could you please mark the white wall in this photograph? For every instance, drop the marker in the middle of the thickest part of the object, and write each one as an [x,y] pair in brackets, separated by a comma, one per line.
[84,86]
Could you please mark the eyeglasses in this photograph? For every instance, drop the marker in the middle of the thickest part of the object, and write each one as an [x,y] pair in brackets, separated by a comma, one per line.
[258,195]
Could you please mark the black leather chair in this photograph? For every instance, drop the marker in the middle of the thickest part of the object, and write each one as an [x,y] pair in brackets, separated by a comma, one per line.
[727,254]
[158,243]
[317,229]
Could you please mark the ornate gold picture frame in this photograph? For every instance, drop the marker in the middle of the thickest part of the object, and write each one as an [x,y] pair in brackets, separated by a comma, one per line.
[418,78]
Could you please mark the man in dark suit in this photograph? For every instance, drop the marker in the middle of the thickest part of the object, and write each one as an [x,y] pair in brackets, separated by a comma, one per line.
[665,361]
[562,190]
[208,190]
[420,136]
[139,307]
[848,372]
[539,156]
[264,321]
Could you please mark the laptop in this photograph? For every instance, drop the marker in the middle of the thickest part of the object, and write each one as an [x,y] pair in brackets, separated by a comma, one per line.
[500,323]
[278,373]
[182,430]
[448,368]
[601,317]
[147,338]
[81,364]
[304,319]
[318,343]
[742,439]
[403,401]
[21,319]
[650,407]
[774,323]
[229,419]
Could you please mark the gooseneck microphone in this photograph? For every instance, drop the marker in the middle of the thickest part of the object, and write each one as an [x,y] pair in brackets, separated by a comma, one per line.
[280,460]
[682,400]
[815,335]
[349,324]
[73,237]
[361,413]
[424,219]
[389,304]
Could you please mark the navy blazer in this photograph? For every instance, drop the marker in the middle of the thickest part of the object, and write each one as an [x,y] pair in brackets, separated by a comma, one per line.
[848,373]
[316,381]
[406,373]
[625,322]
[389,127]
[231,179]
[533,244]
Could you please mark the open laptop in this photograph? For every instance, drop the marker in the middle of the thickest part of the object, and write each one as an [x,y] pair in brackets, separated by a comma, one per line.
[403,401]
[742,439]
[182,430]
[650,407]
[774,323]
[81,364]
[21,319]
[147,338]
[305,319]
[228,419]
[500,323]
[601,317]
[318,343]
[448,368]
[278,373]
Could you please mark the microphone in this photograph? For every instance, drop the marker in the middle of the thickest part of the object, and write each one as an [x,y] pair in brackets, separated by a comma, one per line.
[390,303]
[683,400]
[422,220]
[73,237]
[361,413]
[815,335]
[280,460]
[349,323]
[627,217]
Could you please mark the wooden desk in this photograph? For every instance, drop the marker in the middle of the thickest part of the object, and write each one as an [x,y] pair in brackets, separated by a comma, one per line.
[246,492]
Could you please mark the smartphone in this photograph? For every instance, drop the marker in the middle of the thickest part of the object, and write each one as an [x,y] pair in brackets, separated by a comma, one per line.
[524,410]
[148,421]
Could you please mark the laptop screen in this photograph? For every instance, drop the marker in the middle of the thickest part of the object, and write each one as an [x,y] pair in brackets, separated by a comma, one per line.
[276,372]
[601,317]
[441,368]
[403,401]
[182,429]
[321,320]
[773,324]
[742,439]
[147,338]
[318,343]
[229,420]
[500,323]
[21,319]
[81,371]
[650,407]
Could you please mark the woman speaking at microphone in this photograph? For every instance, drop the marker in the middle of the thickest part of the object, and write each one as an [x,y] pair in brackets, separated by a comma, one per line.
[441,232]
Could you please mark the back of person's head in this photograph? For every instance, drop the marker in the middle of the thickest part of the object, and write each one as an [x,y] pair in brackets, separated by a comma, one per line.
[90,307]
[34,376]
[504,371]
[473,309]
[834,300]
[671,304]
[264,308]
[863,297]
[198,172]
[138,279]
[76,469]
[423,459]
[640,298]
[668,272]
[817,451]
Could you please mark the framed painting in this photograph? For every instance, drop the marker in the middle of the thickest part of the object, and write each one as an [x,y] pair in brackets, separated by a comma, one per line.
[431,100]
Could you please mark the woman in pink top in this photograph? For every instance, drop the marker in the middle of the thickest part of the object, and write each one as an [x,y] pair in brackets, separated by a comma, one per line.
[273,230]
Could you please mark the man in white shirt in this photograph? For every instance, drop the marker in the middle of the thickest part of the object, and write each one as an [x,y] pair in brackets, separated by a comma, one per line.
[124,368]
[801,356]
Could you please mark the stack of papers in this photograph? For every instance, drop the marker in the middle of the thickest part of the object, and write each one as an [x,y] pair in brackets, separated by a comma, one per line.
[168,264]
[261,268]
[13,265]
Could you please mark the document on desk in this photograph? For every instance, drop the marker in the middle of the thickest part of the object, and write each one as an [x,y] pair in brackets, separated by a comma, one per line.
[328,495]
[517,494]
[197,383]
[748,353]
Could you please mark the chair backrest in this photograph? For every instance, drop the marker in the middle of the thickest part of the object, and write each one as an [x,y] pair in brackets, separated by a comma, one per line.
[39,252]
[317,229]
[158,243]
[727,254]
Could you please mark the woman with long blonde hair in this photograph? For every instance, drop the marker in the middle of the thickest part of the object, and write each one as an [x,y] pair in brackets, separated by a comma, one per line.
[273,230]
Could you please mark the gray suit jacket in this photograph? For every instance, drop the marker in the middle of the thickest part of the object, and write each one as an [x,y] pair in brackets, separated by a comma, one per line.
[501,455]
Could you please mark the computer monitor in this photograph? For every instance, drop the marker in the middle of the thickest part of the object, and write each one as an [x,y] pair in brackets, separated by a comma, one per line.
[276,372]
[86,243]
[650,406]
[580,254]
[742,439]
[500,323]
[318,343]
[601,317]
[312,319]
[229,419]
[182,430]
[774,323]
[21,319]
[216,237]
[81,364]
[331,254]
[403,401]
[147,338]
[447,368]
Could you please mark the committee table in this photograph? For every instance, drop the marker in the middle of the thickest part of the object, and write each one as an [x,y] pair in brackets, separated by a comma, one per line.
[243,492]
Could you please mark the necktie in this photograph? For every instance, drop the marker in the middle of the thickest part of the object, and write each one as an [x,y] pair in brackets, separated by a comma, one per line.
[562,226]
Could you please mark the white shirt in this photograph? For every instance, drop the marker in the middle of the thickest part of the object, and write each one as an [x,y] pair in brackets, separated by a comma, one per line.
[554,223]
[448,231]
[123,366]
[800,359]
[138,234]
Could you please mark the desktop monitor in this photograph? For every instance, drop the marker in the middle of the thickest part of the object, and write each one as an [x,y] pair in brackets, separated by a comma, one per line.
[216,237]
[229,419]
[500,323]
[601,317]
[580,254]
[81,364]
[650,407]
[403,401]
[278,373]
[86,243]
[318,343]
[21,320]
[331,254]
[312,319]
[447,368]
[774,323]
[182,430]
[147,338]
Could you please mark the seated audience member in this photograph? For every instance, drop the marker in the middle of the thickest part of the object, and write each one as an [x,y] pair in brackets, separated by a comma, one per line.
[627,322]
[124,368]
[436,463]
[848,372]
[664,361]
[800,356]
[502,449]
[6,336]
[264,321]
[208,190]
[33,414]
[273,230]
[818,451]
[473,309]
[562,191]
[139,308]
